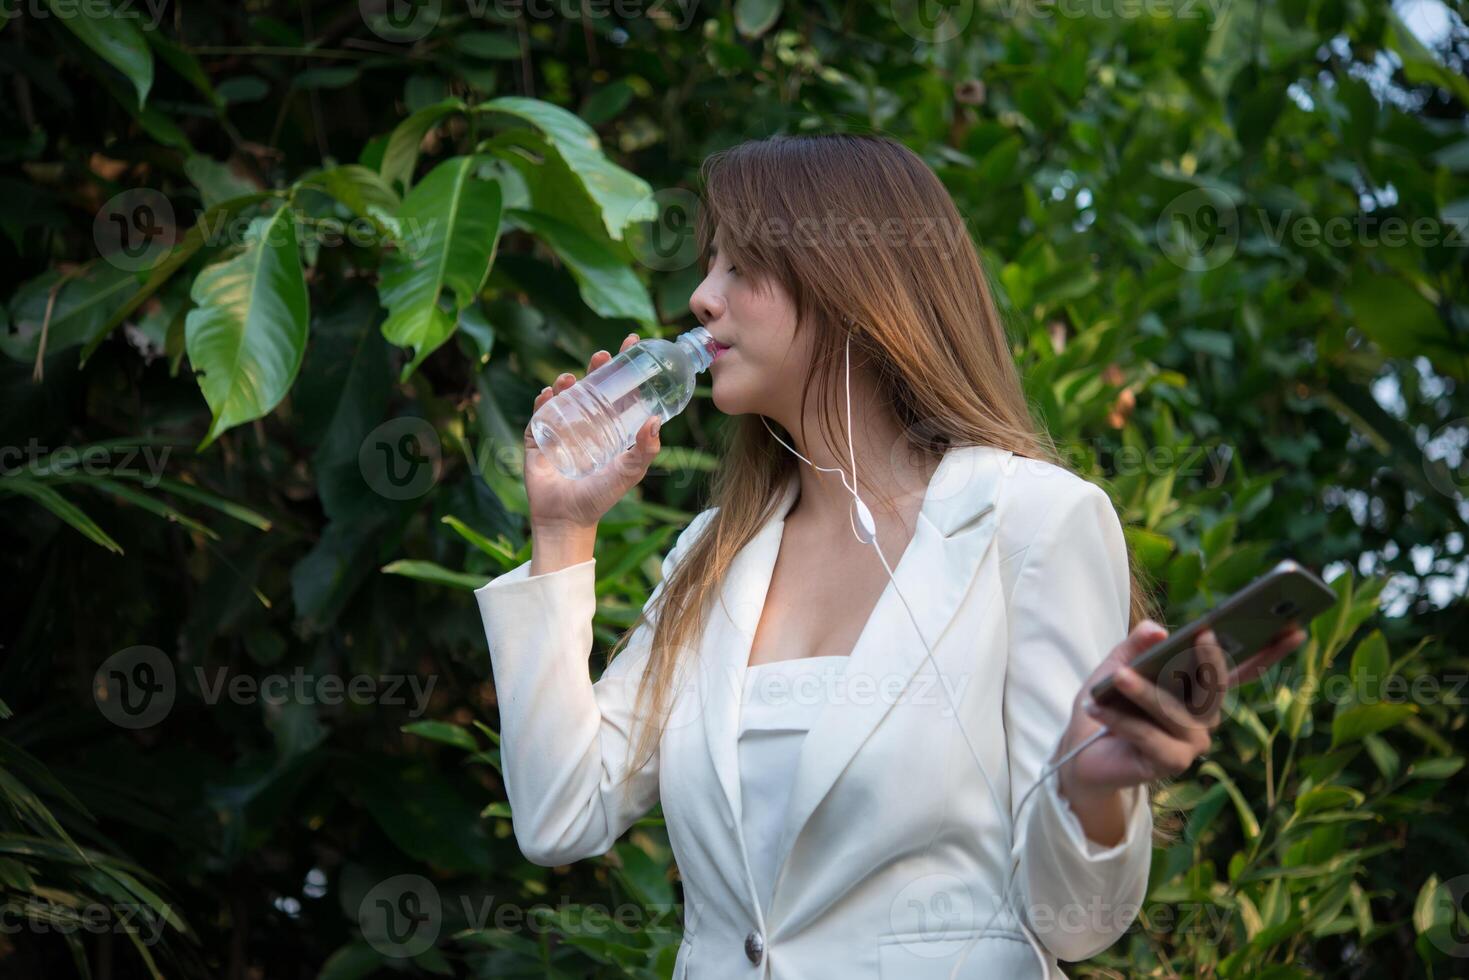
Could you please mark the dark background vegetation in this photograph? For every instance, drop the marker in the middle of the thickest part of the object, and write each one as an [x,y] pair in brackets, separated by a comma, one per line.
[1230,242]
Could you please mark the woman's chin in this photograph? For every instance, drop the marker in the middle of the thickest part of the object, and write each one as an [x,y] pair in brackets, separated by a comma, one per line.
[727,397]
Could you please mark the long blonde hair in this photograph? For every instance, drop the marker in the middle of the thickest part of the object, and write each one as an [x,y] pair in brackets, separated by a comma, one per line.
[858,230]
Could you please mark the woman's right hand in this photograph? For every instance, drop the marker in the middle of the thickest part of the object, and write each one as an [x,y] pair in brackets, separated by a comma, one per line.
[560,504]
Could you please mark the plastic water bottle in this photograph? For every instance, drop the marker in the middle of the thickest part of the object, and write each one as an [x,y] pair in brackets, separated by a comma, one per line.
[585,427]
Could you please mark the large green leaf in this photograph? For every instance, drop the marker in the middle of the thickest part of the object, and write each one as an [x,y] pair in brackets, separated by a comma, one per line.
[247,335]
[362,190]
[67,308]
[1396,316]
[401,154]
[623,196]
[424,814]
[208,226]
[114,36]
[217,183]
[553,187]
[450,224]
[606,282]
[1362,720]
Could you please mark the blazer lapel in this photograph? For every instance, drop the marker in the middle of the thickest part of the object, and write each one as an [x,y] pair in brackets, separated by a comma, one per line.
[724,654]
[955,529]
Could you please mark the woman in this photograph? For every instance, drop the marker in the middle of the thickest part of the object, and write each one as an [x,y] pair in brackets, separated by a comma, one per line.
[847,796]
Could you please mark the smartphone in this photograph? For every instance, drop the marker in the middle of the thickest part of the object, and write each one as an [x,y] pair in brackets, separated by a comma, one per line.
[1244,623]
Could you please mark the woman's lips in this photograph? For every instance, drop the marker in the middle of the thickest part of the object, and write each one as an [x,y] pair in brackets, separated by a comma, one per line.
[719,349]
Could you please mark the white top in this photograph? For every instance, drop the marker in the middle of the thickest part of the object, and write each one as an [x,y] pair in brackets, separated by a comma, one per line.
[780,703]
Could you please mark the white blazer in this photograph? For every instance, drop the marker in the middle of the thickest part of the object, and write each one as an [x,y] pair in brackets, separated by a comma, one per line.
[894,854]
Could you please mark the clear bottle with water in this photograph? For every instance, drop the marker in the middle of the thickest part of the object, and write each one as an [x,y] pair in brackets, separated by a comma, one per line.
[585,427]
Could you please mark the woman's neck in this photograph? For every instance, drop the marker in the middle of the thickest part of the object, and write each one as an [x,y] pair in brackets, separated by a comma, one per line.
[892,474]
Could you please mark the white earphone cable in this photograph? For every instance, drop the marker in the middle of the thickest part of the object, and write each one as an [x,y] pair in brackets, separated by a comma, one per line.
[868,535]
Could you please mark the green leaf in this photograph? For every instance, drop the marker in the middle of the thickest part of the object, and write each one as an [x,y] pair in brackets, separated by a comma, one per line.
[1367,719]
[425,815]
[623,196]
[1370,668]
[552,186]
[355,961]
[1151,548]
[451,224]
[1248,822]
[113,36]
[62,507]
[154,506]
[605,281]
[84,303]
[401,154]
[442,731]
[184,62]
[1327,798]
[157,125]
[1436,768]
[247,334]
[481,542]
[1395,316]
[427,571]
[217,183]
[208,225]
[362,190]
[754,17]
[226,507]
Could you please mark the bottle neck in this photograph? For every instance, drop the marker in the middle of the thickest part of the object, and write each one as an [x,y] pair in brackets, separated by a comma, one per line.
[700,345]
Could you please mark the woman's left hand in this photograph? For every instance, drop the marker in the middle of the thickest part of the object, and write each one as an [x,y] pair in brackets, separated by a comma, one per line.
[1162,736]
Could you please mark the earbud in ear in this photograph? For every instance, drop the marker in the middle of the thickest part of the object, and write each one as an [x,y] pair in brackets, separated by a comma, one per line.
[866,529]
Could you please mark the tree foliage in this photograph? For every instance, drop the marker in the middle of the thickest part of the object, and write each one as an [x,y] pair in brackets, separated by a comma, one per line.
[284,280]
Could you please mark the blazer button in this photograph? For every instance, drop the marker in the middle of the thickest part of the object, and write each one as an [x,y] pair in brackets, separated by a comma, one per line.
[754,946]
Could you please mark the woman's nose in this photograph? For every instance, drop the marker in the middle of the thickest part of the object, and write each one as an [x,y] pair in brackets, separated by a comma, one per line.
[706,304]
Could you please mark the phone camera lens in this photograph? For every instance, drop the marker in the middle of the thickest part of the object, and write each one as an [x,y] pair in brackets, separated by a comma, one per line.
[1284,607]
